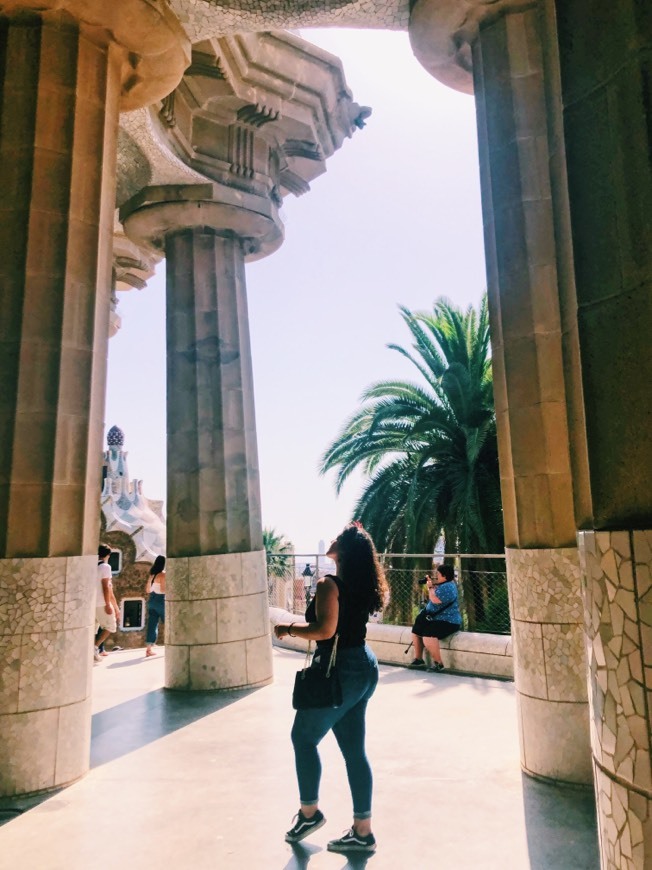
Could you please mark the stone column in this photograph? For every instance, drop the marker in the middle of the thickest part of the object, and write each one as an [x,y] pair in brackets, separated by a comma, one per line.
[217,633]
[61,82]
[504,49]
[604,56]
[529,385]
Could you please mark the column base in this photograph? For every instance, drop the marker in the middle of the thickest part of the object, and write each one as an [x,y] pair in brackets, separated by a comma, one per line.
[217,631]
[47,610]
[554,741]
[550,664]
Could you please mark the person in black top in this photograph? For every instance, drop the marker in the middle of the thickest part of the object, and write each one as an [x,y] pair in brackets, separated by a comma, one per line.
[341,607]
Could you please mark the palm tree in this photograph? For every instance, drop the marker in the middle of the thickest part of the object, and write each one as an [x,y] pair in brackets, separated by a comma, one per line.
[429,449]
[276,545]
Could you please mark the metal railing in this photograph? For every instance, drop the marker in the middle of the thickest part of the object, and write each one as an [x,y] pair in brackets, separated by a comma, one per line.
[481,582]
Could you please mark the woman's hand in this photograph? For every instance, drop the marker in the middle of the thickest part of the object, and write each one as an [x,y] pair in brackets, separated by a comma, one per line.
[281,630]
[432,594]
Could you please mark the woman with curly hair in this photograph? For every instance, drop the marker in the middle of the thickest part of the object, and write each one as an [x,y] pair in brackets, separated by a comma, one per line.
[341,607]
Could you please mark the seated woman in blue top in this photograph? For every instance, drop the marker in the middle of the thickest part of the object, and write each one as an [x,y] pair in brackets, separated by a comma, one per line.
[440,618]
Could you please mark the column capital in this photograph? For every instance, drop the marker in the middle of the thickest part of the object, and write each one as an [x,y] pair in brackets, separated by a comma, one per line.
[132,266]
[157,212]
[156,48]
[442,33]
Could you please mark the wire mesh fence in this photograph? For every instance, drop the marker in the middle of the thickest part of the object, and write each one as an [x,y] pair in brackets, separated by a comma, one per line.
[481,582]
[291,579]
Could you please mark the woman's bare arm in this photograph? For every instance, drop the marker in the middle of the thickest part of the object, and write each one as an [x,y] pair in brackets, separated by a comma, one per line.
[326,611]
[432,594]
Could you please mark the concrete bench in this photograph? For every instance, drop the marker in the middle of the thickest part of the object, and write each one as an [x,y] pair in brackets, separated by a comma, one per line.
[487,655]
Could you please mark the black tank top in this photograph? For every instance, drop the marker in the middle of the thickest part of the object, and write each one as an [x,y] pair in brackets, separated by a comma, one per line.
[351,620]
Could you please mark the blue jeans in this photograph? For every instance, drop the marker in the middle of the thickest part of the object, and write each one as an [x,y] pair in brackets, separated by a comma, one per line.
[358,670]
[155,611]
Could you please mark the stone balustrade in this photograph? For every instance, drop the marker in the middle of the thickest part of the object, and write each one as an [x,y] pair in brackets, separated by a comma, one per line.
[467,652]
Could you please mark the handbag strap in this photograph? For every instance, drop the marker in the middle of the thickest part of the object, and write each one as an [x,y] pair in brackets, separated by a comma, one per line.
[331,662]
[307,661]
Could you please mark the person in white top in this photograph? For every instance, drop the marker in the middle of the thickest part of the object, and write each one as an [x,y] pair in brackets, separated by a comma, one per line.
[156,604]
[106,607]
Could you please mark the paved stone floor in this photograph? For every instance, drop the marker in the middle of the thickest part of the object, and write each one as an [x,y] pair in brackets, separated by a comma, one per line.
[207,781]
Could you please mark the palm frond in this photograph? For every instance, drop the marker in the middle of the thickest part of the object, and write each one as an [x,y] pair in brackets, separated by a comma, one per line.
[429,450]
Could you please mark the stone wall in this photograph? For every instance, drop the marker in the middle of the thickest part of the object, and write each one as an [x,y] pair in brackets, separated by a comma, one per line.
[486,655]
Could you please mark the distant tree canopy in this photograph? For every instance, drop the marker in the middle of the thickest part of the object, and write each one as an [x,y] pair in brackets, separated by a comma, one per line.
[429,448]
[278,565]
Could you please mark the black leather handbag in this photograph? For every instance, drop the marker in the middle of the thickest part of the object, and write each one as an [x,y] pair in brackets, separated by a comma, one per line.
[315,687]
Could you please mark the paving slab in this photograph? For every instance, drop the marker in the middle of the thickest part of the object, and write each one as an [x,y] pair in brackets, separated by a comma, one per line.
[206,780]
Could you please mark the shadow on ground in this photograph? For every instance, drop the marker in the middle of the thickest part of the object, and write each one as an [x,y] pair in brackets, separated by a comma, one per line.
[560,825]
[301,856]
[150,716]
[131,725]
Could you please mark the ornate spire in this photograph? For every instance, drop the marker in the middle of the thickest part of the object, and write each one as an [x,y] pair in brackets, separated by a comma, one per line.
[115,437]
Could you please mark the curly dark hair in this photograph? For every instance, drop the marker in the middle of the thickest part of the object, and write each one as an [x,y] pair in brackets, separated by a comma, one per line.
[359,568]
[446,571]
[158,567]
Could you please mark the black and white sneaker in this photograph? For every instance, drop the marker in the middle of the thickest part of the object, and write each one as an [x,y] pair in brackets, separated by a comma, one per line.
[303,826]
[417,665]
[436,668]
[352,842]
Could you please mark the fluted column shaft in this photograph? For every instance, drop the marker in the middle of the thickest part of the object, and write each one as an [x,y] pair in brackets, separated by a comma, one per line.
[59,92]
[216,607]
[64,75]
[515,133]
[213,483]
[593,152]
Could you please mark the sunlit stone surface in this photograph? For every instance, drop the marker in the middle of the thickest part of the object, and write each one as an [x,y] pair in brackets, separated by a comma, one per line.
[618,602]
[217,622]
[550,663]
[563,120]
[47,611]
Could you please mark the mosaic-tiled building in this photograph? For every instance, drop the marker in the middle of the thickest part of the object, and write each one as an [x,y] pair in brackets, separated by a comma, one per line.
[195,120]
[134,527]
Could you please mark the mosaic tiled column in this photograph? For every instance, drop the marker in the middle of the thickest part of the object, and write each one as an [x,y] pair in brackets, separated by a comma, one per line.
[617,570]
[55,224]
[506,47]
[516,124]
[579,137]
[604,52]
[47,611]
[505,53]
[549,662]
[498,52]
[217,622]
[217,607]
[62,80]
[255,120]
[216,600]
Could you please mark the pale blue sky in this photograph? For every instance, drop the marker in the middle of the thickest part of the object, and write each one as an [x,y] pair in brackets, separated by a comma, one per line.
[395,220]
